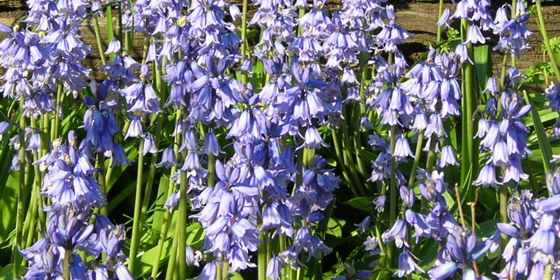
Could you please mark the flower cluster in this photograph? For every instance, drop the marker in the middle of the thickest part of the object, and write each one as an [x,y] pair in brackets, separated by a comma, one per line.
[72,226]
[503,134]
[532,233]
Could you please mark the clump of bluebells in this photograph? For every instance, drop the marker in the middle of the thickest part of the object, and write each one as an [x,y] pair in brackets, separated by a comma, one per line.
[242,154]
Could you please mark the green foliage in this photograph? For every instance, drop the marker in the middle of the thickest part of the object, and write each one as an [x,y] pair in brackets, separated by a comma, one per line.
[361,203]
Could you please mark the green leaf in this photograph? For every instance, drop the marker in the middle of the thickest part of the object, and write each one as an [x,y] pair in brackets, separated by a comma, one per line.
[544,144]
[544,115]
[7,273]
[8,189]
[125,193]
[157,221]
[361,203]
[335,227]
[235,276]
[259,75]
[195,234]
[145,262]
[483,65]
[131,150]
[8,204]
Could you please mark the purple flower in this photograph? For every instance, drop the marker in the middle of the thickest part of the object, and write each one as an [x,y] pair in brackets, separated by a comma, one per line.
[474,35]
[379,203]
[408,196]
[371,244]
[544,238]
[211,145]
[443,271]
[396,233]
[447,157]
[168,159]
[407,265]
[274,268]
[208,272]
[312,139]
[70,181]
[363,225]
[487,177]
[402,148]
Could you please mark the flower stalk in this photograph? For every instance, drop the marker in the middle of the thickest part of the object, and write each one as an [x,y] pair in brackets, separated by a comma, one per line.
[22,191]
[136,232]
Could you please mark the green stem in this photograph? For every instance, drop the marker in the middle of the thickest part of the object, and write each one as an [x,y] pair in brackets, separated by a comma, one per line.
[431,154]
[136,231]
[417,154]
[503,203]
[343,167]
[468,155]
[546,41]
[124,43]
[301,13]
[348,157]
[262,255]
[30,220]
[439,28]
[513,15]
[211,164]
[182,225]
[244,35]
[151,174]
[58,105]
[21,208]
[308,156]
[165,225]
[110,30]
[358,111]
[100,164]
[219,271]
[66,265]
[163,188]
[393,183]
[161,242]
[99,41]
[392,190]
[173,256]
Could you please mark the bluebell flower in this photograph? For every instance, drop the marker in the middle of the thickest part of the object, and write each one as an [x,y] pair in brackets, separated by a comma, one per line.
[432,186]
[443,271]
[544,238]
[312,139]
[396,233]
[119,156]
[70,181]
[141,99]
[402,148]
[513,32]
[447,157]
[391,36]
[487,177]
[208,272]
[407,265]
[408,196]
[149,145]
[135,129]
[168,159]
[211,145]
[379,203]
[372,245]
[114,47]
[363,225]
